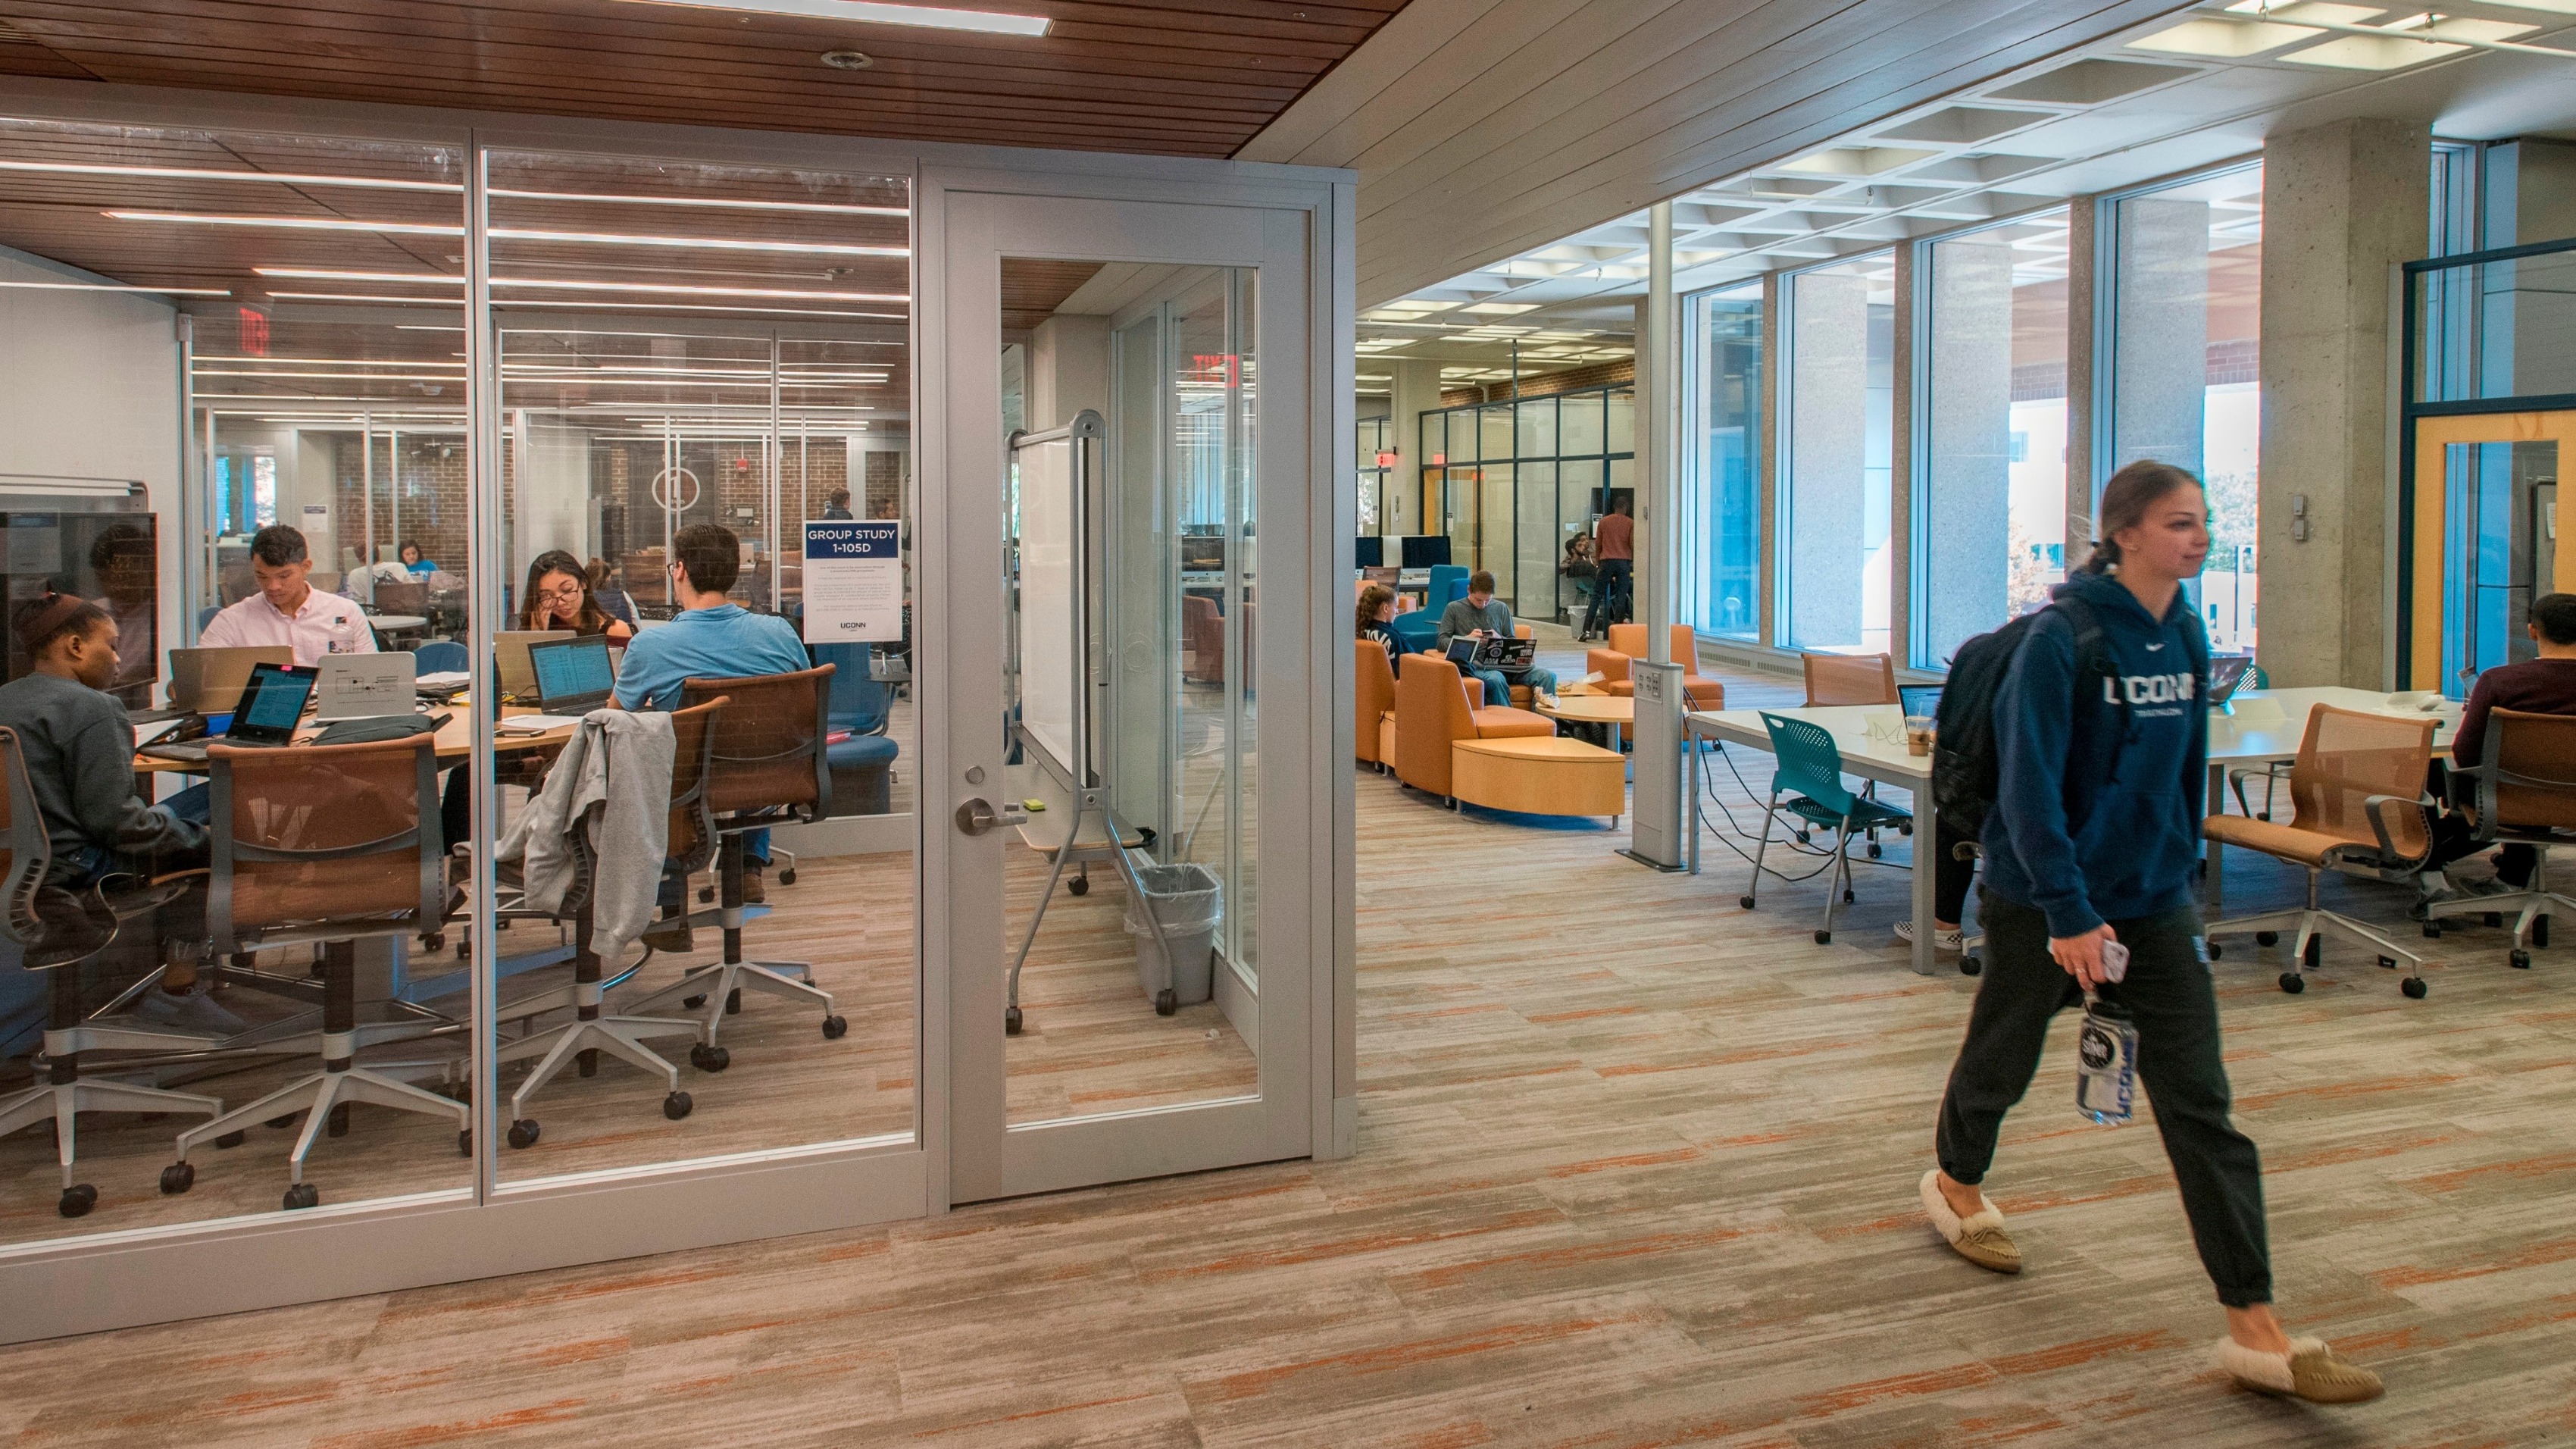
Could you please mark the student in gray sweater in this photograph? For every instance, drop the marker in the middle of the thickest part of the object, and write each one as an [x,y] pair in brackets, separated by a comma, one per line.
[1481,615]
[79,751]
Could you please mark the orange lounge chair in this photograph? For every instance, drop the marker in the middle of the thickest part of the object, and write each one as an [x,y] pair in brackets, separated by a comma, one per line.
[1627,643]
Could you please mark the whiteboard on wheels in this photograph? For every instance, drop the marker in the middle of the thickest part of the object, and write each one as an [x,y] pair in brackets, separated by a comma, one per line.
[1049,611]
[853,581]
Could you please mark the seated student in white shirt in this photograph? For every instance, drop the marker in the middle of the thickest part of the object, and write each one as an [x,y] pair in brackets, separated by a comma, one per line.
[287,609]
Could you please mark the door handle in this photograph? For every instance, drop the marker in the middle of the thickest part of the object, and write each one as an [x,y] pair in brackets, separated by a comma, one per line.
[976,816]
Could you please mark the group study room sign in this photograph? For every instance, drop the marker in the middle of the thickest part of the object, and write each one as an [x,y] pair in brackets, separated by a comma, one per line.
[853,581]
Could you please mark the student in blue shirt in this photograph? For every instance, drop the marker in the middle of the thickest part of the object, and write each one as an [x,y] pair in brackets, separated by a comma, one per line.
[714,638]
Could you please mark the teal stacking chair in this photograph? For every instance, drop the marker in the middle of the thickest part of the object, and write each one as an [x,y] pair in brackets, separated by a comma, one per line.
[1811,773]
[1448,584]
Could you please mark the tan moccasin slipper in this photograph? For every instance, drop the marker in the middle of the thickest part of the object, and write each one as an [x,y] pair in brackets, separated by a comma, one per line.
[2308,1371]
[1980,1239]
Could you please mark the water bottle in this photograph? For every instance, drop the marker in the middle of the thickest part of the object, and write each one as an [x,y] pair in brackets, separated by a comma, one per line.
[2106,1062]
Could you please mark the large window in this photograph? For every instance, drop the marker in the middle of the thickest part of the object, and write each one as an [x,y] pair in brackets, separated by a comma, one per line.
[1990,508]
[1721,503]
[1511,482]
[2186,286]
[1835,430]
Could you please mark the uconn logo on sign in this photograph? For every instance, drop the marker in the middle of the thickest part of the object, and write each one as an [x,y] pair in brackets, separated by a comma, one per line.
[2149,688]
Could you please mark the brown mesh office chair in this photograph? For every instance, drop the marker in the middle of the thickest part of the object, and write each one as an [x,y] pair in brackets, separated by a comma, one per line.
[579,1042]
[331,844]
[2357,790]
[393,598]
[2522,792]
[1850,679]
[58,931]
[767,766]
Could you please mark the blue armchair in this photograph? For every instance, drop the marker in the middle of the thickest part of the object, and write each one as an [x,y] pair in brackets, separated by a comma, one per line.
[1448,584]
[1417,631]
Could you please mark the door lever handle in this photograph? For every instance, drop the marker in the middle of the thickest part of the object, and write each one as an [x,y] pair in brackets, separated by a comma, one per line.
[976,816]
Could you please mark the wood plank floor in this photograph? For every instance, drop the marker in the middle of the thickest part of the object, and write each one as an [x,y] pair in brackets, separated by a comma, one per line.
[1635,1168]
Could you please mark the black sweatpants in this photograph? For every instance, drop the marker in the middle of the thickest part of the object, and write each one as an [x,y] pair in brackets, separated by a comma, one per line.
[2167,993]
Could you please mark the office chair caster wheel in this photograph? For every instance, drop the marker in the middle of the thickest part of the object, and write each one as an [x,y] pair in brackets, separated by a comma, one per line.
[706,894]
[692,1003]
[464,950]
[733,1002]
[787,876]
[2293,983]
[2263,938]
[434,941]
[2316,950]
[78,1199]
[1078,886]
[2432,930]
[835,1028]
[1875,851]
[280,1122]
[1824,938]
[303,1195]
[2414,987]
[523,1133]
[230,1139]
[1166,1001]
[1971,966]
[710,1059]
[2519,960]
[1745,901]
[1011,1021]
[2215,950]
[677,1105]
[177,1178]
[1847,897]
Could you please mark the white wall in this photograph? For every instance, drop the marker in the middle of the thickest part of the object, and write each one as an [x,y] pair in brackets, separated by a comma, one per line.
[89,388]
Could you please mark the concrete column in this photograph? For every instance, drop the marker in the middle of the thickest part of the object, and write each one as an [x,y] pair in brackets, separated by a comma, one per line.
[1766,468]
[2343,204]
[2160,342]
[2083,431]
[1828,454]
[1969,437]
[1415,391]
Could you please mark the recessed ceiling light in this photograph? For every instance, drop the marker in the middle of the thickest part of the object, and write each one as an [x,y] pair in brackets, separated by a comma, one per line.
[847,59]
[719,202]
[118,287]
[294,223]
[192,173]
[2224,39]
[873,12]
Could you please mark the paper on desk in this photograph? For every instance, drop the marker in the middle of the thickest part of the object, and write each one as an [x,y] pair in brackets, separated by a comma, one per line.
[444,679]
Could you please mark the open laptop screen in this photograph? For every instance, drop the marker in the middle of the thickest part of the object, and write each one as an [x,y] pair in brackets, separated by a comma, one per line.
[572,672]
[2226,674]
[1919,699]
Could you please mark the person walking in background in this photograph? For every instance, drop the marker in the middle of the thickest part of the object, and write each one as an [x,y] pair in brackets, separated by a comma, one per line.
[2092,844]
[1615,541]
[838,506]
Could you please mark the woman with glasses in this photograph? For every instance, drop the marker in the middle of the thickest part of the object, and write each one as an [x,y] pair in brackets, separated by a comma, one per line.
[558,596]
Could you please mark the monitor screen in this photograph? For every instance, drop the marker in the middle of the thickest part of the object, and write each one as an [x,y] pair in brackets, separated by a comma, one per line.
[1425,550]
[1369,552]
[272,702]
[1923,699]
[1201,554]
[572,668]
[2226,673]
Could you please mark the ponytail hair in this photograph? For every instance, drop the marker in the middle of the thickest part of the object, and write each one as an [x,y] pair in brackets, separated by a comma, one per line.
[2125,501]
[1373,597]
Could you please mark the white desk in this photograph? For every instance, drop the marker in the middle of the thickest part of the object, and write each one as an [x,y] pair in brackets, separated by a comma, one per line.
[2266,725]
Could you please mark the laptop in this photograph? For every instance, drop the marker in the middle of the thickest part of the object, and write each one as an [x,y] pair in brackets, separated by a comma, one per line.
[209,681]
[1919,699]
[271,706]
[365,686]
[1508,656]
[2227,674]
[510,653]
[574,676]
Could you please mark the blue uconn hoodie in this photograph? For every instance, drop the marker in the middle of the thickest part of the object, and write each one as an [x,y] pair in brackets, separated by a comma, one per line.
[2098,801]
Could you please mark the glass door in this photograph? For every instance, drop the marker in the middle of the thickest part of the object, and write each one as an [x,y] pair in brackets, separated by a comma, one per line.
[2486,540]
[1125,1000]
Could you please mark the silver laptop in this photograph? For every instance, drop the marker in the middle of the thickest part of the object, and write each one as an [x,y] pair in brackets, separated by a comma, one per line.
[209,681]
[365,686]
[510,653]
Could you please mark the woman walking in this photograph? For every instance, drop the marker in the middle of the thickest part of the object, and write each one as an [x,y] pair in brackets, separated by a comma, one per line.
[2093,841]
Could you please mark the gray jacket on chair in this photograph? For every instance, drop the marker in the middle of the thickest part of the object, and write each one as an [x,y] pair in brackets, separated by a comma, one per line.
[614,780]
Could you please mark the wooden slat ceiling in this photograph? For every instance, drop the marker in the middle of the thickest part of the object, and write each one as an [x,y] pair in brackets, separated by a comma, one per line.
[1162,77]
[1484,128]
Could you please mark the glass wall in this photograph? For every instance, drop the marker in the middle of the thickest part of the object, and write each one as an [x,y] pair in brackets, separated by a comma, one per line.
[1836,447]
[1376,438]
[2186,327]
[1721,500]
[1990,494]
[1513,482]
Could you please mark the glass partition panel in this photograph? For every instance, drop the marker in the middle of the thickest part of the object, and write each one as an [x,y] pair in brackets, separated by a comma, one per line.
[1723,528]
[1836,449]
[1535,432]
[1495,528]
[2497,329]
[704,395]
[305,1043]
[1541,591]
[2186,287]
[1136,556]
[1580,426]
[1991,509]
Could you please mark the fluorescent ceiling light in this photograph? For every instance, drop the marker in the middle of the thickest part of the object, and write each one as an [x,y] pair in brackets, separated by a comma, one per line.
[719,203]
[341,376]
[115,287]
[191,173]
[707,243]
[2224,39]
[565,284]
[294,223]
[1501,309]
[2370,52]
[347,297]
[204,357]
[873,12]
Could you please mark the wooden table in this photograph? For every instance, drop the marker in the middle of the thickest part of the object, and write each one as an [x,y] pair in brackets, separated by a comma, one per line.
[455,741]
[1594,714]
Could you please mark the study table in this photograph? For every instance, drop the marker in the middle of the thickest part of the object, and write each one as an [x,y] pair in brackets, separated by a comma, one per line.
[455,740]
[2261,727]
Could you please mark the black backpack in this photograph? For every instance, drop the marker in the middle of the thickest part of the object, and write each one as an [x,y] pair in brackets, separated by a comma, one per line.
[1965,763]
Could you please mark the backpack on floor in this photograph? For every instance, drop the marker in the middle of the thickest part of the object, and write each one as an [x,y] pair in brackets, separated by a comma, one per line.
[1966,765]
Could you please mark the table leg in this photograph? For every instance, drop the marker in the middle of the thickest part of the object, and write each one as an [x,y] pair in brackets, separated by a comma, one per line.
[1927,844]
